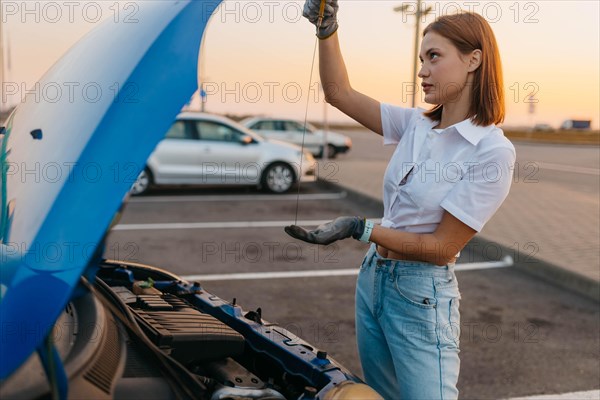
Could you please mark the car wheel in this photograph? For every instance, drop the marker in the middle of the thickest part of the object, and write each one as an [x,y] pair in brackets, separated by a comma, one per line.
[142,183]
[331,151]
[278,178]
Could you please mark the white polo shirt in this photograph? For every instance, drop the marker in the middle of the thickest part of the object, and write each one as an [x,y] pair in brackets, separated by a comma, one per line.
[464,169]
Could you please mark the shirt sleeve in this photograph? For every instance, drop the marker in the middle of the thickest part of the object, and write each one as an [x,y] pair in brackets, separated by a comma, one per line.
[483,188]
[395,120]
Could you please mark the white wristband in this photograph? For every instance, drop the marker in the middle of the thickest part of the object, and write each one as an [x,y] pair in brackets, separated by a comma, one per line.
[367,233]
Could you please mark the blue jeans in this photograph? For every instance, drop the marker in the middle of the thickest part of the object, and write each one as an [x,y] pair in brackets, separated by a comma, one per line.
[408,328]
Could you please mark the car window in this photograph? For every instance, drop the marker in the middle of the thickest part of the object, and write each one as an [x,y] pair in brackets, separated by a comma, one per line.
[293,126]
[265,125]
[208,130]
[180,130]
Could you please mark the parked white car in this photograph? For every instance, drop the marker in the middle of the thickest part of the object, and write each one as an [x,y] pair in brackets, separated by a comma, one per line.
[292,131]
[205,149]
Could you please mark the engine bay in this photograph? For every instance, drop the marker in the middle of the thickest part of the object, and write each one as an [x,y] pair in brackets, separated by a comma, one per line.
[140,332]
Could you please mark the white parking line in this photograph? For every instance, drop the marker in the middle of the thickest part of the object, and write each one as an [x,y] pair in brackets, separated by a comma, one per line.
[220,224]
[507,262]
[272,275]
[568,168]
[242,197]
[585,395]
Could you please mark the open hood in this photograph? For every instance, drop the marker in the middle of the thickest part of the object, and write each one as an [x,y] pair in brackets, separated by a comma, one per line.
[69,161]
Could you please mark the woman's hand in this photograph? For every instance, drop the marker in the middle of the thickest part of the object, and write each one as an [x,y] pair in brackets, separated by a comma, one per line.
[329,23]
[338,229]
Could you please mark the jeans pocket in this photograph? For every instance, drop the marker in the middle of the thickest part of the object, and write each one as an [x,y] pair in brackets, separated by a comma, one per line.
[417,291]
[447,285]
[449,323]
[455,319]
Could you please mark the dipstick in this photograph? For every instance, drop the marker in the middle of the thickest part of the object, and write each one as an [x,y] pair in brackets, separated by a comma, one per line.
[312,67]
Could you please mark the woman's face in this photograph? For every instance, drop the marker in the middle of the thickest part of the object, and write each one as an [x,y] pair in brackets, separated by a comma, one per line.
[444,70]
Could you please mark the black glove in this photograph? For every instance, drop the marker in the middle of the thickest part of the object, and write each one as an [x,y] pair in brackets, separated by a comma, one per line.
[338,229]
[329,24]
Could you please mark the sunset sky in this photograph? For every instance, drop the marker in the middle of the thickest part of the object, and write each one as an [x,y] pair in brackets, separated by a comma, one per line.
[257,54]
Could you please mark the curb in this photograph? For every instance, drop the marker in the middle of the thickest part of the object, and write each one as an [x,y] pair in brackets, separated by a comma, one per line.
[548,272]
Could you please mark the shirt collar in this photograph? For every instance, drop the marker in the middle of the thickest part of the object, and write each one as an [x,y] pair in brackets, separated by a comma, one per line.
[473,133]
[466,128]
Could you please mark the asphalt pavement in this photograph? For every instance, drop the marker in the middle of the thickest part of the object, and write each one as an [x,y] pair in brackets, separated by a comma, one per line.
[519,335]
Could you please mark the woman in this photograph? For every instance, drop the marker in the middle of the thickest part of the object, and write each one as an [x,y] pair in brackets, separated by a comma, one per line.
[450,172]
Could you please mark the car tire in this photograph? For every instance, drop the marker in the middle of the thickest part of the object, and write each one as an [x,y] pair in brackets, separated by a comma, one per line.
[142,183]
[278,178]
[331,152]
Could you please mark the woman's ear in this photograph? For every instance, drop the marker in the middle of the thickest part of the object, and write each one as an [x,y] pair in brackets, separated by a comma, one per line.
[474,60]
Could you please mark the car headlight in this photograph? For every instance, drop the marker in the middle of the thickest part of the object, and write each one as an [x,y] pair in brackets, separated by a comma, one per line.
[308,157]
[352,391]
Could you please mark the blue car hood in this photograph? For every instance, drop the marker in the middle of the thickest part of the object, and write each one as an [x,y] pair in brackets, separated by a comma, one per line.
[69,162]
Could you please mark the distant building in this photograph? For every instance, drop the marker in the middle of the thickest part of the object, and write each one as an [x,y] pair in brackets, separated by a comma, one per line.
[577,124]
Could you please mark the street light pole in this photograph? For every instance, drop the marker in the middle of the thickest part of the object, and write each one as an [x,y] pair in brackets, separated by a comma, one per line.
[418,14]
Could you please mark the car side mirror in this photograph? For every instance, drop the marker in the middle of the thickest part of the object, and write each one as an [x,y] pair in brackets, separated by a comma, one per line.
[245,140]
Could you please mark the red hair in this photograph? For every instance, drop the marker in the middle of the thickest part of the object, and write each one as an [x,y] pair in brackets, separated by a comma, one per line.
[467,32]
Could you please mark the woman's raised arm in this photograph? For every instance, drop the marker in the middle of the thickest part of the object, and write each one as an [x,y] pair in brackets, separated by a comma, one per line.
[334,76]
[338,91]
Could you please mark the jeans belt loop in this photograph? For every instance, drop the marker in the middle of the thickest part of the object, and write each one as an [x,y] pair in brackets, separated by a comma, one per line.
[393,271]
[369,259]
[371,256]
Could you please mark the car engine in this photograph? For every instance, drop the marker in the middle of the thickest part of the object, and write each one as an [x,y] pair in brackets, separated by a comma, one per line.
[140,332]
